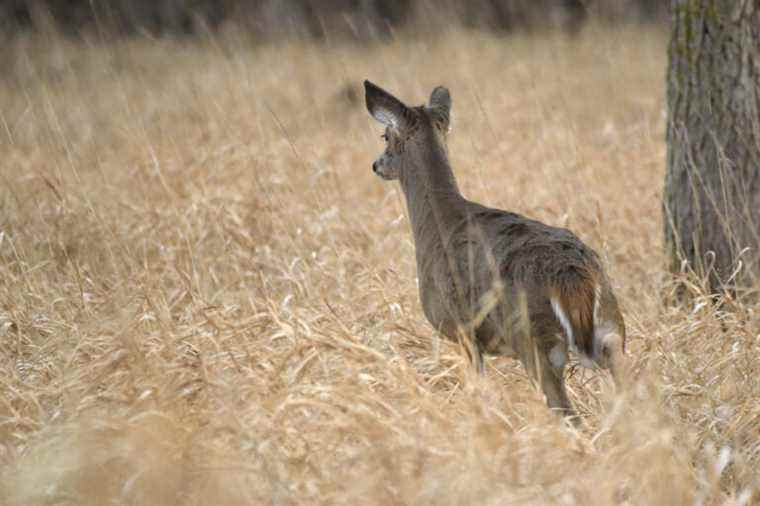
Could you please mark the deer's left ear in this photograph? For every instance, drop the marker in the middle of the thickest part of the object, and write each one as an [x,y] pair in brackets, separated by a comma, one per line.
[384,107]
[440,104]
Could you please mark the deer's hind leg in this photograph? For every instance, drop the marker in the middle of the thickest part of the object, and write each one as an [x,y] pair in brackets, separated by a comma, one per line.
[553,380]
[547,365]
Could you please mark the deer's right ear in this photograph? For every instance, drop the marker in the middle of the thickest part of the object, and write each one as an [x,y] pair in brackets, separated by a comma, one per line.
[440,103]
[384,107]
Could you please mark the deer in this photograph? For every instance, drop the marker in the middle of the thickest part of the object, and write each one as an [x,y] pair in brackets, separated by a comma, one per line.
[495,281]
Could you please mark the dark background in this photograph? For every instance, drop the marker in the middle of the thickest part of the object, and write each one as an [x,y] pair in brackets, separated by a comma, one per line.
[360,20]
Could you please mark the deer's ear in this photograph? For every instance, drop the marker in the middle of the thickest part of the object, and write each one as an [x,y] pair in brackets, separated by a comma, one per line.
[384,107]
[440,104]
[441,99]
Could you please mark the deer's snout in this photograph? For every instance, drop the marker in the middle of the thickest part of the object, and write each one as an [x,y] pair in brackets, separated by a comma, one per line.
[383,169]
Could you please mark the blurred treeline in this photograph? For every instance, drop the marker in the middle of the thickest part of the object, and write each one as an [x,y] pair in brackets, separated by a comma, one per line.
[363,20]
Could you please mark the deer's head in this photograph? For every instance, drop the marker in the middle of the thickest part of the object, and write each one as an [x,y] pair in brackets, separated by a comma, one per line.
[408,130]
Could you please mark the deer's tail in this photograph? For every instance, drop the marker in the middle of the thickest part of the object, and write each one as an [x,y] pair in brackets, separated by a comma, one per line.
[580,301]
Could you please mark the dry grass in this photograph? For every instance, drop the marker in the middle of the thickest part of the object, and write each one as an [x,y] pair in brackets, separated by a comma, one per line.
[208,298]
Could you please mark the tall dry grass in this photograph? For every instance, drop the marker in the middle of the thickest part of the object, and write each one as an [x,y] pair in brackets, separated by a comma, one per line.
[208,298]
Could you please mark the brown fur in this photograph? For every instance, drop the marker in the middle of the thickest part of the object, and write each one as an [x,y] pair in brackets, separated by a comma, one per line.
[576,295]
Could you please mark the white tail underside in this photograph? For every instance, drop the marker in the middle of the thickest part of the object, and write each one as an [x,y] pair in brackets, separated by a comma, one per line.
[561,315]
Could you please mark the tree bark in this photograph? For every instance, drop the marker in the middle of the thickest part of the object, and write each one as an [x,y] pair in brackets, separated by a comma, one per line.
[712,185]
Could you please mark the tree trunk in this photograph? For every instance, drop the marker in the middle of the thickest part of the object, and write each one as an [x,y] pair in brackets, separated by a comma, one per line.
[712,186]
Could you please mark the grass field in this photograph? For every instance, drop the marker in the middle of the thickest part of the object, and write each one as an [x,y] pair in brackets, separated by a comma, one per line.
[206,296]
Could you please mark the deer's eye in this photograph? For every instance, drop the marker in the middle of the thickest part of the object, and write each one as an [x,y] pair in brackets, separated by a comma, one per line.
[384,136]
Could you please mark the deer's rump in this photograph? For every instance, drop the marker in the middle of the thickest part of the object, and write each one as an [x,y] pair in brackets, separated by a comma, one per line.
[508,278]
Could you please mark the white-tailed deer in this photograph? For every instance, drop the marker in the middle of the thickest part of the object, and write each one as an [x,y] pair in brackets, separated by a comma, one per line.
[498,281]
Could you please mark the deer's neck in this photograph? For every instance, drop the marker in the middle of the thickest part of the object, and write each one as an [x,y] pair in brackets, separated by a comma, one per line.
[432,197]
